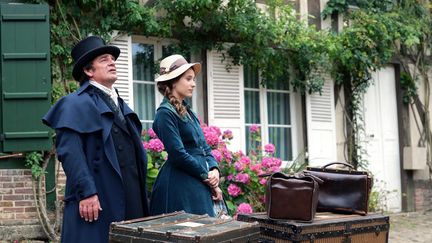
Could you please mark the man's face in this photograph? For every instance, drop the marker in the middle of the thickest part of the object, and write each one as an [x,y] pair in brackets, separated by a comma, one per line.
[104,70]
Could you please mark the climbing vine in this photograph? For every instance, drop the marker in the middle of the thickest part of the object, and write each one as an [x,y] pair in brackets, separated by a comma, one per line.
[360,49]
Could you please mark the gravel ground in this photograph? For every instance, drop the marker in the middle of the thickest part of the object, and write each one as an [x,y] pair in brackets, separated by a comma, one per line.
[411,227]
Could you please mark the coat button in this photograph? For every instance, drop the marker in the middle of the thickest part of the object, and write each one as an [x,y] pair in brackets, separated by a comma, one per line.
[115,130]
[120,147]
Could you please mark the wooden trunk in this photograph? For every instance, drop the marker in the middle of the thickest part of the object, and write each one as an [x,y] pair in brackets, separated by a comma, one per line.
[326,228]
[183,227]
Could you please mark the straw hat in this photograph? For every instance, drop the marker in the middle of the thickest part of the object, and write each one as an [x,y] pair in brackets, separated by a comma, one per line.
[88,49]
[174,66]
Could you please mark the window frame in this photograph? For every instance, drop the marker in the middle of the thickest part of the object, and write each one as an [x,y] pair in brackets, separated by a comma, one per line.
[158,44]
[264,123]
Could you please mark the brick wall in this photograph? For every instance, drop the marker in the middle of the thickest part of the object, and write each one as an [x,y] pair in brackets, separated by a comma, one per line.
[423,195]
[16,200]
[18,217]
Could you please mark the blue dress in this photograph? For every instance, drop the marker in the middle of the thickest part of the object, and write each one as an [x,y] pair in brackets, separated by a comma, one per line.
[179,184]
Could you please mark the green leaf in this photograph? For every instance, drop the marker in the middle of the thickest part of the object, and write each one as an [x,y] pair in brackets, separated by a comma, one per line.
[152,173]
[231,206]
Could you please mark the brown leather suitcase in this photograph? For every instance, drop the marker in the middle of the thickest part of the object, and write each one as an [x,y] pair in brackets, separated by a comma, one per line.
[326,228]
[345,191]
[183,227]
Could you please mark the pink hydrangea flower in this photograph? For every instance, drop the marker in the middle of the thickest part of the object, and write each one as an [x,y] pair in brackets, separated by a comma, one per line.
[151,133]
[211,138]
[245,160]
[227,134]
[238,166]
[269,148]
[254,128]
[240,153]
[263,181]
[217,155]
[266,162]
[269,162]
[230,177]
[244,208]
[242,178]
[227,154]
[215,130]
[275,169]
[256,168]
[234,190]
[154,145]
[277,162]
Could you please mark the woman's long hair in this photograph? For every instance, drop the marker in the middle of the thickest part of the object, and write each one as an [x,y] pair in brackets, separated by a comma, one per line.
[165,88]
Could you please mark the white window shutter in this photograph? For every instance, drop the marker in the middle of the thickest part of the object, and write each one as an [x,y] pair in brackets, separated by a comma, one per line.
[226,98]
[321,126]
[123,65]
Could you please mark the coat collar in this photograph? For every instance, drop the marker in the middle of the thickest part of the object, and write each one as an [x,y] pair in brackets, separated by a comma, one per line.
[126,109]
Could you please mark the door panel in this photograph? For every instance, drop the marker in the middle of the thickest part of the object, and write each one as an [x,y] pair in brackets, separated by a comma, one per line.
[382,138]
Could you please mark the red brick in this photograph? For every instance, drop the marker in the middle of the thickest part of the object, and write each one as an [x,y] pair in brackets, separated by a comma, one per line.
[13,210]
[22,178]
[5,178]
[30,209]
[13,184]
[23,191]
[13,197]
[23,203]
[27,172]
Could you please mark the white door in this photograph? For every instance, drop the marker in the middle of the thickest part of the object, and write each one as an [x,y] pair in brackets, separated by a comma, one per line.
[382,139]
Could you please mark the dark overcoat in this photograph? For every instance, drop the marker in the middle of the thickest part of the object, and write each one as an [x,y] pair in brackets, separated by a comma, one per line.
[179,184]
[85,147]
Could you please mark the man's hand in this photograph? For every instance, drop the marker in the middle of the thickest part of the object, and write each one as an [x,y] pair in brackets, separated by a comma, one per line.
[89,208]
[213,178]
[217,194]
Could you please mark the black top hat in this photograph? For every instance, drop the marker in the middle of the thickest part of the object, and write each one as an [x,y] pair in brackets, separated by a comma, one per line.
[88,49]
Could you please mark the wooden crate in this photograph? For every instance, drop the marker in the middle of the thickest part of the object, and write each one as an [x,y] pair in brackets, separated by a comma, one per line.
[183,227]
[326,228]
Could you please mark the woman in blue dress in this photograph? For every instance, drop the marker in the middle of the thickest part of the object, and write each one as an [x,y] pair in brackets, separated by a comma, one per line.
[189,179]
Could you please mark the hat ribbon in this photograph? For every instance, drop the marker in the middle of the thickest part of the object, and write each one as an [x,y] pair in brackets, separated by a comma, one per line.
[180,62]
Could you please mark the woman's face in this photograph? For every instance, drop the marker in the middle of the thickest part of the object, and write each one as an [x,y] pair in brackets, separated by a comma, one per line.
[185,85]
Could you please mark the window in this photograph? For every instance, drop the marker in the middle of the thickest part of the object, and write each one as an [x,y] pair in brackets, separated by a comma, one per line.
[146,97]
[143,56]
[269,107]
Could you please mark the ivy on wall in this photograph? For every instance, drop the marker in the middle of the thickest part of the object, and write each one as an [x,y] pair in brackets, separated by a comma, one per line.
[375,32]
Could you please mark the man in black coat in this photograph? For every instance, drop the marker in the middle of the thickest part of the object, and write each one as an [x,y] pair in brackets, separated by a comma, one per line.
[98,142]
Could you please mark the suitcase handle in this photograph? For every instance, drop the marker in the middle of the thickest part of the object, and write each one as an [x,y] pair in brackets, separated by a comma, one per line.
[339,163]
